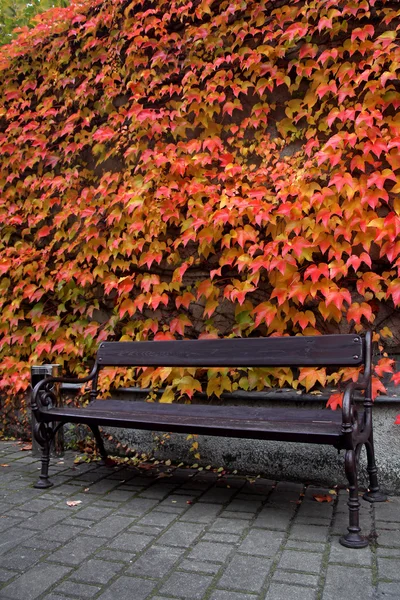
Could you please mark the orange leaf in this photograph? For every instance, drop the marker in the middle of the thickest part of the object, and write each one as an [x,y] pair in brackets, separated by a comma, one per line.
[326,498]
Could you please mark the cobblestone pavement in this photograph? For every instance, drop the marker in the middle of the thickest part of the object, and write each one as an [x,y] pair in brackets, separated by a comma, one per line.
[174,533]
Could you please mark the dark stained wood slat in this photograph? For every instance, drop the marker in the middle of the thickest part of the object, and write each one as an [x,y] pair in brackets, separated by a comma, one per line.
[314,426]
[295,351]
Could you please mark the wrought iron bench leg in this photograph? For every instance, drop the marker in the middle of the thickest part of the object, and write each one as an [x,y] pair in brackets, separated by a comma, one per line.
[44,435]
[99,442]
[353,539]
[374,494]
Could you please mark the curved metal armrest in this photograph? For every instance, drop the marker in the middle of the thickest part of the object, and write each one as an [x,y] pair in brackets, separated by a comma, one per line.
[349,414]
[43,393]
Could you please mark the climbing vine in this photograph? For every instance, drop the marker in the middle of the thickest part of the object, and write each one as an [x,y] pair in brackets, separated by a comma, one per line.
[188,168]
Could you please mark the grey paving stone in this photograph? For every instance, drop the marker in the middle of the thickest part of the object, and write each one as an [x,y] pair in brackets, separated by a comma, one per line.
[308,562]
[246,506]
[157,562]
[223,525]
[293,577]
[389,569]
[6,574]
[198,566]
[110,526]
[131,542]
[224,538]
[390,591]
[388,511]
[210,551]
[157,519]
[350,557]
[93,513]
[78,590]
[225,595]
[261,542]
[190,586]
[273,518]
[309,533]
[97,571]
[128,588]
[282,591]
[217,495]
[77,551]
[114,555]
[302,545]
[229,514]
[103,486]
[181,534]
[18,535]
[21,558]
[46,519]
[146,530]
[138,506]
[201,513]
[348,582]
[246,573]
[62,533]
[389,538]
[388,552]
[34,582]
[38,542]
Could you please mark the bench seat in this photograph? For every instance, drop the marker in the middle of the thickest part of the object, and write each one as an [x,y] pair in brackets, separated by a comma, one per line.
[313,426]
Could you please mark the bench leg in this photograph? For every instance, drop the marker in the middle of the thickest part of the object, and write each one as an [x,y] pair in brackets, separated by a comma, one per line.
[374,494]
[44,435]
[353,539]
[99,442]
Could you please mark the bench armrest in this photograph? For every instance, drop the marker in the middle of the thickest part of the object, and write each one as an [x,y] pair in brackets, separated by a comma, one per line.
[44,394]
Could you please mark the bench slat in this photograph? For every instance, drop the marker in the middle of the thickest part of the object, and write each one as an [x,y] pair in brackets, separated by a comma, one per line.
[294,351]
[314,426]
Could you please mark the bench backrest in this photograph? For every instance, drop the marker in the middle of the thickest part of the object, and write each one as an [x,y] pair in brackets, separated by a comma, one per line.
[296,351]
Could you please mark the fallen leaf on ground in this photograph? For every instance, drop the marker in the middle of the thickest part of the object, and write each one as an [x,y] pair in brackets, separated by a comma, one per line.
[5,465]
[326,498]
[73,502]
[26,447]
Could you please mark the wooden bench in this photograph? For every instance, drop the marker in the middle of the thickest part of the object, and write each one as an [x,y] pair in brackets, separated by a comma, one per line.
[345,430]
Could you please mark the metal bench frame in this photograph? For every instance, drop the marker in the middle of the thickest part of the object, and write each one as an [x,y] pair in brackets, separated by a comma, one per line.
[347,431]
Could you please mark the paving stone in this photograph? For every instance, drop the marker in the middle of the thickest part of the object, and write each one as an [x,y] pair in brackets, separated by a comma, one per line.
[246,506]
[6,574]
[229,514]
[389,538]
[246,573]
[261,542]
[38,542]
[157,519]
[131,542]
[210,551]
[310,533]
[34,582]
[21,558]
[389,591]
[348,582]
[62,533]
[114,555]
[348,556]
[46,519]
[389,568]
[77,551]
[128,588]
[229,525]
[198,566]
[187,585]
[96,571]
[295,578]
[157,562]
[273,518]
[308,562]
[388,552]
[282,591]
[225,595]
[78,590]
[388,511]
[181,534]
[302,545]
[224,538]
[110,526]
[217,495]
[138,506]
[201,513]
[93,513]
[18,535]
